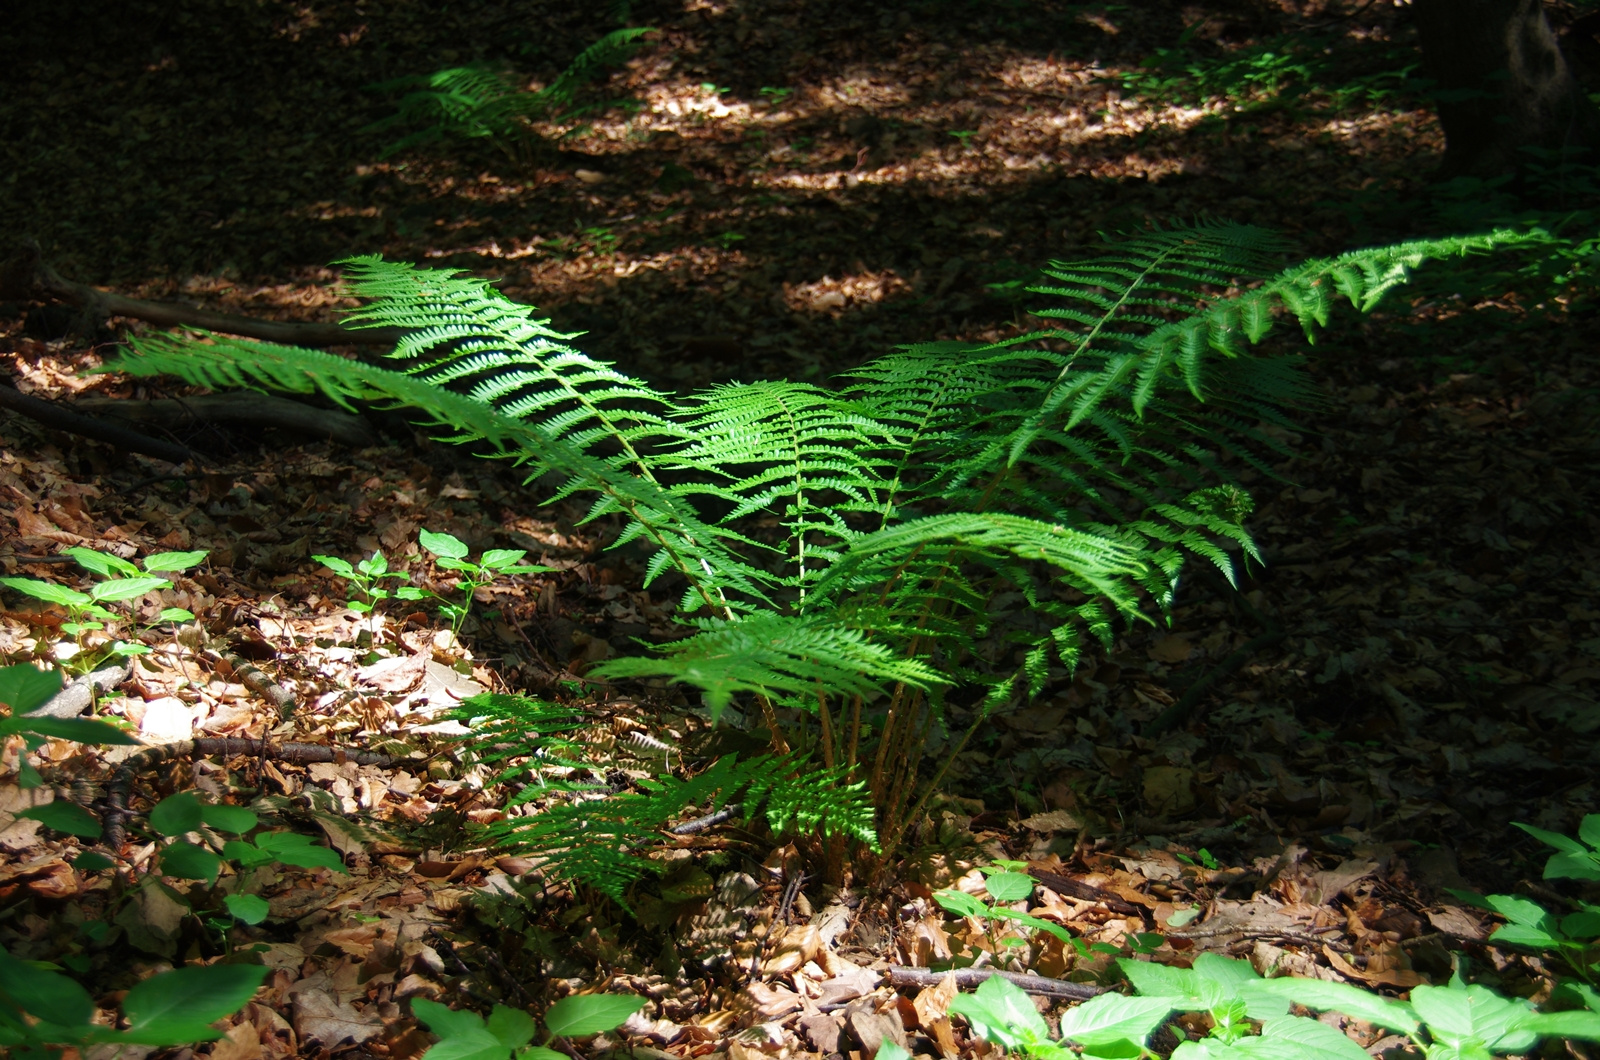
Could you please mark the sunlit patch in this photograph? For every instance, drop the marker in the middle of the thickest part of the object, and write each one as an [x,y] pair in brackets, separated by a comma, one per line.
[828,295]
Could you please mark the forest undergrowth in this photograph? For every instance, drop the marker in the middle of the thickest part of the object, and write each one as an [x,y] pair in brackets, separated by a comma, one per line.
[1315,769]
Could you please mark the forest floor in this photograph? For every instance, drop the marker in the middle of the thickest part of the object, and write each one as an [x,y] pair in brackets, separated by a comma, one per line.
[801,187]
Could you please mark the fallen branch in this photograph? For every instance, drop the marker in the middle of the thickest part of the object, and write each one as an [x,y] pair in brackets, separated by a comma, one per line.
[24,276]
[257,410]
[900,975]
[64,419]
[80,694]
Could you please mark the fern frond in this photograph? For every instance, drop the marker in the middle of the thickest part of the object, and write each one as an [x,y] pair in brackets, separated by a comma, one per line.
[595,840]
[481,101]
[693,548]
[776,656]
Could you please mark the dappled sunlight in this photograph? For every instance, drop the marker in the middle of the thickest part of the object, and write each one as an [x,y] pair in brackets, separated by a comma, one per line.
[828,295]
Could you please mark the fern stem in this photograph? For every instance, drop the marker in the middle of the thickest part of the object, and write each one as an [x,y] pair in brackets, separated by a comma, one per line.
[891,843]
[829,756]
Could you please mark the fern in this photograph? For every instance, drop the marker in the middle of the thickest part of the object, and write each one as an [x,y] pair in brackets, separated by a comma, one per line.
[488,102]
[595,838]
[840,549]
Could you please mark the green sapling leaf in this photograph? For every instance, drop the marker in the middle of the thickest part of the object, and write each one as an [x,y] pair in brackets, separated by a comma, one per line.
[1475,1015]
[1298,1038]
[174,561]
[79,730]
[127,588]
[234,819]
[178,1007]
[102,564]
[188,861]
[176,814]
[513,1027]
[501,558]
[1008,886]
[49,592]
[1000,1012]
[249,908]
[443,545]
[1110,1018]
[66,817]
[1341,997]
[36,988]
[292,848]
[24,688]
[339,566]
[582,1014]
[960,903]
[175,614]
[246,855]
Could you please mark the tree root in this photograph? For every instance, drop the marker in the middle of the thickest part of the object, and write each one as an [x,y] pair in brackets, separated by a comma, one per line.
[260,410]
[25,276]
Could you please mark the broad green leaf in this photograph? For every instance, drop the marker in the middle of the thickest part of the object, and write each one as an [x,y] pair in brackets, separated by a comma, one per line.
[1572,866]
[178,1007]
[24,687]
[100,563]
[443,545]
[246,855]
[513,1027]
[443,1020]
[1521,935]
[91,861]
[1584,1025]
[42,992]
[81,730]
[291,848]
[891,1051]
[1589,830]
[175,614]
[960,903]
[250,908]
[235,819]
[127,588]
[475,1044]
[1001,1005]
[581,1014]
[377,565]
[174,561]
[49,592]
[1555,839]
[1034,922]
[1340,997]
[1584,924]
[187,861]
[1110,1018]
[500,558]
[1182,917]
[1475,1014]
[1520,910]
[1302,1039]
[1187,989]
[1008,886]
[176,814]
[341,567]
[64,816]
[540,1052]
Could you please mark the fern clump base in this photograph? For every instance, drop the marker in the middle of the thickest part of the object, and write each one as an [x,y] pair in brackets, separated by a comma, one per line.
[835,552]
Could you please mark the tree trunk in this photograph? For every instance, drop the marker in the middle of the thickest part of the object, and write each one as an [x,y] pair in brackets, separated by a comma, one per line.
[1504,86]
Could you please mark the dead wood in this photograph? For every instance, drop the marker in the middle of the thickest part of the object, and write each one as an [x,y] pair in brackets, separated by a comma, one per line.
[899,975]
[62,418]
[256,410]
[25,276]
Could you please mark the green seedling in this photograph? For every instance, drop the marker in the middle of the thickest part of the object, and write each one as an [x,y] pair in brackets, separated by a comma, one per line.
[24,689]
[121,582]
[965,136]
[776,96]
[450,553]
[1575,937]
[364,577]
[508,1032]
[43,1011]
[1454,1022]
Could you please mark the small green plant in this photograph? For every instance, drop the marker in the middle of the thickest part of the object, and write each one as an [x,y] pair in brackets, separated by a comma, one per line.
[450,553]
[24,689]
[42,1011]
[508,1032]
[364,577]
[1006,883]
[486,102]
[965,136]
[121,582]
[1574,937]
[775,96]
[1454,1022]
